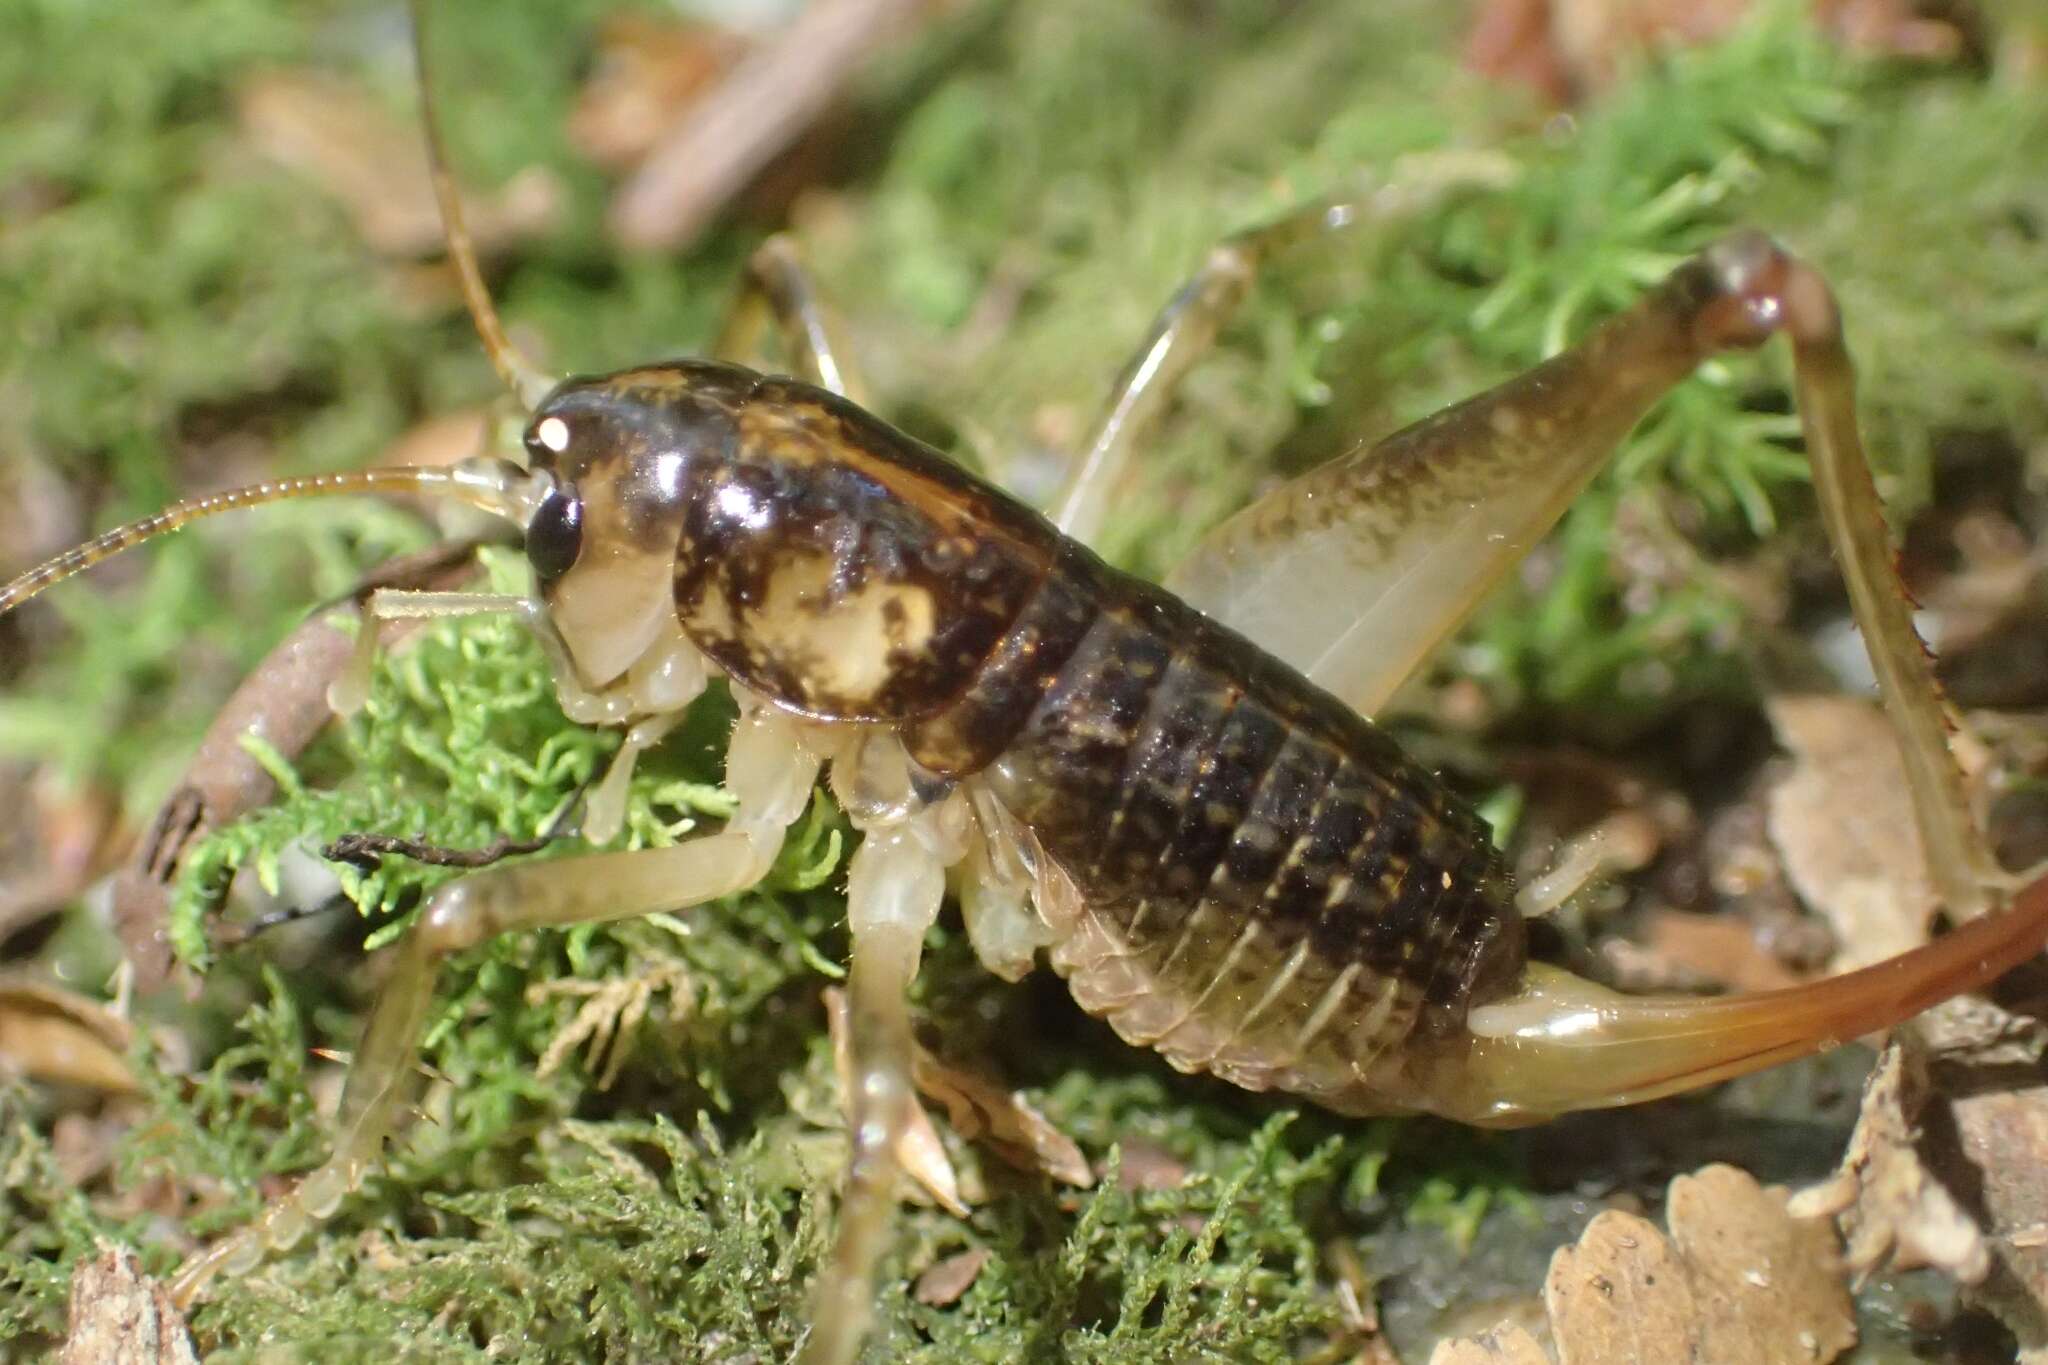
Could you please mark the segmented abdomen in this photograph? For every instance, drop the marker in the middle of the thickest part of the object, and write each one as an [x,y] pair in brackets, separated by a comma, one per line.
[1273,891]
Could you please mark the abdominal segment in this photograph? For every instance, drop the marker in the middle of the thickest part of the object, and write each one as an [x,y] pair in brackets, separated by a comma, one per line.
[1263,885]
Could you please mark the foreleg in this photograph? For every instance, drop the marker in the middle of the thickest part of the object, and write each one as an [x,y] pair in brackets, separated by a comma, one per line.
[771,777]
[579,702]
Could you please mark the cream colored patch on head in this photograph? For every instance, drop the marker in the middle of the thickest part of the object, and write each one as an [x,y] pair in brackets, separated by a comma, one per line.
[553,433]
[841,648]
[610,611]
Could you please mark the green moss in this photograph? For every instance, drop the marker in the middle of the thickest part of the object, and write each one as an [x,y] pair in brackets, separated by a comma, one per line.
[184,306]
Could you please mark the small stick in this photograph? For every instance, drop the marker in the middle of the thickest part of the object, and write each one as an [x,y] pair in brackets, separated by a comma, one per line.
[283,699]
[725,139]
[367,851]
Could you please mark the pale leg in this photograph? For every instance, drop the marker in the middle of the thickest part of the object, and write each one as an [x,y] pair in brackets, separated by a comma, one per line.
[894,888]
[1403,538]
[579,703]
[776,288]
[604,814]
[1186,328]
[770,776]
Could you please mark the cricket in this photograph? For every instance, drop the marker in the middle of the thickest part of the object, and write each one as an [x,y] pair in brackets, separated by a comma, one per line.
[1172,795]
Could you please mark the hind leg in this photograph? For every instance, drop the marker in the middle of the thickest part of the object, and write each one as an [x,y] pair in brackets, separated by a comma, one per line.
[1402,538]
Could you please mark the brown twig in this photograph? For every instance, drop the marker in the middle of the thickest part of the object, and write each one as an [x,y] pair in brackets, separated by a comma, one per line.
[366,851]
[284,701]
[756,112]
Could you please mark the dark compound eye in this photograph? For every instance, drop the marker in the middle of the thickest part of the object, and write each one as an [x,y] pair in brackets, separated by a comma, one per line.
[555,535]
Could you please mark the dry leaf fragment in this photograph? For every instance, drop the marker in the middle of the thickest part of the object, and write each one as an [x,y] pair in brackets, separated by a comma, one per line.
[56,841]
[1739,1281]
[724,138]
[2004,1138]
[1148,1166]
[1009,1124]
[1620,1294]
[1997,1152]
[52,1034]
[979,1110]
[1569,50]
[284,702]
[1682,947]
[120,1316]
[338,136]
[945,1281]
[1843,823]
[649,70]
[1769,1285]
[1892,1212]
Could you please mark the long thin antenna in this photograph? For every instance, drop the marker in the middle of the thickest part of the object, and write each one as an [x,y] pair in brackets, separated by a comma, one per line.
[528,384]
[490,484]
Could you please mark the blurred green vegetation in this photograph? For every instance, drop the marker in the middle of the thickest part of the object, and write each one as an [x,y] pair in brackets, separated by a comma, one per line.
[1013,195]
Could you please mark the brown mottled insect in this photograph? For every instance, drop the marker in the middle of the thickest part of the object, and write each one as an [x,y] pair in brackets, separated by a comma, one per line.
[1175,794]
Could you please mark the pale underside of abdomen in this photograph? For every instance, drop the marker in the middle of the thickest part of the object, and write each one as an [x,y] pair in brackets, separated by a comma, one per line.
[1218,994]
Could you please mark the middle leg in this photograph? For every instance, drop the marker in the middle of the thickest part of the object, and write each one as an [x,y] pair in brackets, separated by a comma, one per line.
[776,287]
[1186,328]
[894,888]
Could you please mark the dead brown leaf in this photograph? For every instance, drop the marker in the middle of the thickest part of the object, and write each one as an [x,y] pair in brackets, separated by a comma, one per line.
[1892,1211]
[338,136]
[283,701]
[1569,50]
[945,1281]
[443,440]
[723,139]
[1620,1294]
[1990,1145]
[1145,1165]
[1903,1201]
[2004,1138]
[120,1316]
[1359,1341]
[57,840]
[1688,951]
[1010,1125]
[1769,1285]
[51,1034]
[1739,1279]
[649,70]
[82,1142]
[1960,1184]
[1843,823]
[979,1110]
